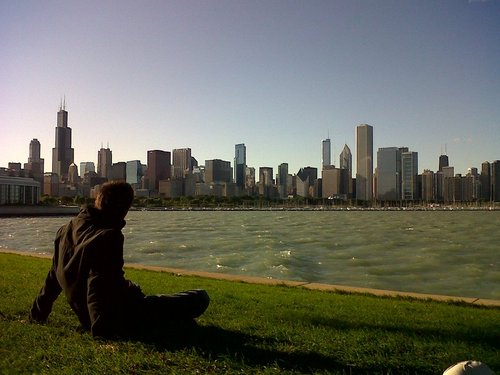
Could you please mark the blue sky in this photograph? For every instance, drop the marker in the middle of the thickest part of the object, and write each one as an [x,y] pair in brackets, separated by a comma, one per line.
[279,76]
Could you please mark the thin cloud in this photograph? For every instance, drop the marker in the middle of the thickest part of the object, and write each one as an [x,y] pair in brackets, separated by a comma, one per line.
[458,140]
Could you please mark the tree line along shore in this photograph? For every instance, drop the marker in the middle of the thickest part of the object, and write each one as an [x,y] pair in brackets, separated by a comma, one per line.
[69,206]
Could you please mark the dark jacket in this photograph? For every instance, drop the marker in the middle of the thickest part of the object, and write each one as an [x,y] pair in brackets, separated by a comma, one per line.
[88,266]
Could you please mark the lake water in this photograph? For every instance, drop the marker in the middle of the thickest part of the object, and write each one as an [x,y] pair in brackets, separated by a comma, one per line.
[441,252]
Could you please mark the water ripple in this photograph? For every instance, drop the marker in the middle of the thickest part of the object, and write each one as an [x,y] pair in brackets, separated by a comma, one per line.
[452,253]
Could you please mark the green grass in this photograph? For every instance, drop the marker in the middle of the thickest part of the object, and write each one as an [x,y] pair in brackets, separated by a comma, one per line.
[249,329]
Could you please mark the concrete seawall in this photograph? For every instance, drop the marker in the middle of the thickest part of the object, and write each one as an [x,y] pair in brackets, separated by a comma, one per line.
[20,211]
[302,284]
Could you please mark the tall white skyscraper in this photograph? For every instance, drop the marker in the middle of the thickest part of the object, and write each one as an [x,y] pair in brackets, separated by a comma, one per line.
[326,152]
[364,162]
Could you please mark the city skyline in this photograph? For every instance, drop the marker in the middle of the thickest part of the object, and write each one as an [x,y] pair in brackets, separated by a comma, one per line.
[105,161]
[396,176]
[276,76]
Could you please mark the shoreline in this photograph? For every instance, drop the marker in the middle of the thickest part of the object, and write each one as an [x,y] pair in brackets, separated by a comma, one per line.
[36,211]
[319,208]
[40,211]
[289,283]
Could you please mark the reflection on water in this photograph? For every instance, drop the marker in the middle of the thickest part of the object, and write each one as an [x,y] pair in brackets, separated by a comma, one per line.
[451,253]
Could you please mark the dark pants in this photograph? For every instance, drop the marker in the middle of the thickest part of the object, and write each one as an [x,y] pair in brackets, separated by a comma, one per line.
[164,311]
[180,306]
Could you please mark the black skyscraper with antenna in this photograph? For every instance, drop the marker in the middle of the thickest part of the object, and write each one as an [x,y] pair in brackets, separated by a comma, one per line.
[62,153]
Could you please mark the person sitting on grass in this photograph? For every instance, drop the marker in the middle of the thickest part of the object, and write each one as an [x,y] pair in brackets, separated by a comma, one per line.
[88,266]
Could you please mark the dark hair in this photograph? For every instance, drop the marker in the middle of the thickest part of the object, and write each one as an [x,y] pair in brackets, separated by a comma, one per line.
[115,198]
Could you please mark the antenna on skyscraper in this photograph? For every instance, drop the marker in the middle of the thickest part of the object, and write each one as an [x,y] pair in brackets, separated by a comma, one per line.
[64,105]
[445,149]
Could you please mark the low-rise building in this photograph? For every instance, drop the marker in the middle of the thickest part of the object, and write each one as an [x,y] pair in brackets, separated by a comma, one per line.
[19,190]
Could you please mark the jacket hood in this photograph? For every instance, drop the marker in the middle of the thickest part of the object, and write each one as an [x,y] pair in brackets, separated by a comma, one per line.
[99,218]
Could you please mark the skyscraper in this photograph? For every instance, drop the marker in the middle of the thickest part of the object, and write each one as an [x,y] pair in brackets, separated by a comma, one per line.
[182,162]
[104,163]
[35,165]
[389,174]
[283,180]
[443,162]
[73,174]
[309,173]
[240,164]
[345,159]
[266,176]
[159,168]
[35,148]
[250,179]
[485,179]
[471,185]
[134,173]
[428,186]
[409,175]
[266,181]
[448,184]
[334,182]
[439,186]
[307,178]
[218,171]
[119,171]
[62,153]
[364,162]
[326,153]
[345,162]
[495,180]
[86,166]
